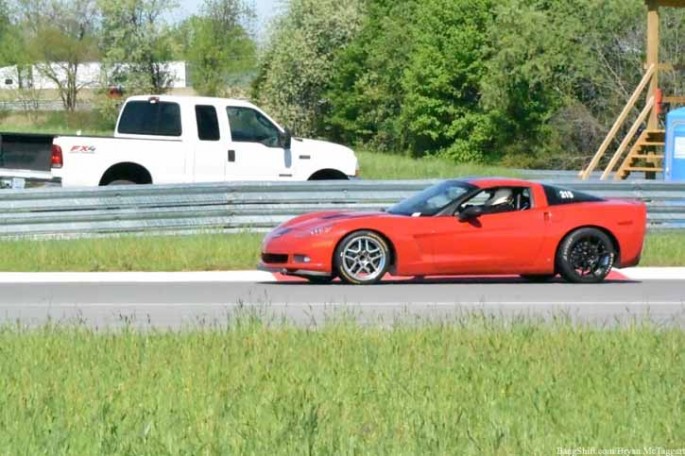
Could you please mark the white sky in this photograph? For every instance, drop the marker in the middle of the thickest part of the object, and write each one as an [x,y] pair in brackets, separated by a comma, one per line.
[265,9]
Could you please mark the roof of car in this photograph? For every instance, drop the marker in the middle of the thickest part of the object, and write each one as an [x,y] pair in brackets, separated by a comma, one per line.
[498,181]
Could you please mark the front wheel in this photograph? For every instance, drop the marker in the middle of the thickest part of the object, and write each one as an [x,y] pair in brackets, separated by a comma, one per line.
[362,258]
[585,256]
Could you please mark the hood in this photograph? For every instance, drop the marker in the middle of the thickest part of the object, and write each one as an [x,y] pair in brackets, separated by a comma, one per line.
[308,221]
[313,146]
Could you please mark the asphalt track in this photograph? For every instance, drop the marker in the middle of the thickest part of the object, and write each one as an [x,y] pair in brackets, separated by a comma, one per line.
[181,303]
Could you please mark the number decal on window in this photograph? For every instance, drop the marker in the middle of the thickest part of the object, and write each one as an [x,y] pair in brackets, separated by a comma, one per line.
[566,194]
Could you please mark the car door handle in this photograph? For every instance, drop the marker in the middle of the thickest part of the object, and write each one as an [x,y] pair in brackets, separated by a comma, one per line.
[231,155]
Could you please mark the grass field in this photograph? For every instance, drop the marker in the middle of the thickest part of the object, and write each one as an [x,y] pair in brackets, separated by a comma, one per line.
[208,252]
[374,165]
[475,387]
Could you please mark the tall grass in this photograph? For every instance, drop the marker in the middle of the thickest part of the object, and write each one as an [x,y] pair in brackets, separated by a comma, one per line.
[203,252]
[206,252]
[375,165]
[474,387]
[664,249]
[57,122]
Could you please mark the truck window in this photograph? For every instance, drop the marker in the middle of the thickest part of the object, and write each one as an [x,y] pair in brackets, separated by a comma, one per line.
[146,118]
[248,125]
[207,123]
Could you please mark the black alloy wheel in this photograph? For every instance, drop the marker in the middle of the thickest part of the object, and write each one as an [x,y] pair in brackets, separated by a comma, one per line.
[585,256]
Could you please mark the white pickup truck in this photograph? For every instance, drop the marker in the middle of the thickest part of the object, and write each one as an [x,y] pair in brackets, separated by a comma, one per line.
[176,139]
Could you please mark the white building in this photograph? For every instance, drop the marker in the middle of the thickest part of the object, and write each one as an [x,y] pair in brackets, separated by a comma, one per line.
[89,75]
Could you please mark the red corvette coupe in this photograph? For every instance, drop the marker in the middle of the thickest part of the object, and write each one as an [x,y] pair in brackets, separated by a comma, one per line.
[465,227]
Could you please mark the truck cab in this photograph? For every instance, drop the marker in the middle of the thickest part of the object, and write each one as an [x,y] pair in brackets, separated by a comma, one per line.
[175,139]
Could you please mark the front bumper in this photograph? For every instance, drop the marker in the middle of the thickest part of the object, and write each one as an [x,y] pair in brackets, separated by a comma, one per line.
[297,256]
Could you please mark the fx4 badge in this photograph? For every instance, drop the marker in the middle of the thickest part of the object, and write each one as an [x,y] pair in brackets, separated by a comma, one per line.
[82,149]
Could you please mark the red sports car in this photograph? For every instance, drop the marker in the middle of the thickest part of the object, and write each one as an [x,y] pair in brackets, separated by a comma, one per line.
[465,227]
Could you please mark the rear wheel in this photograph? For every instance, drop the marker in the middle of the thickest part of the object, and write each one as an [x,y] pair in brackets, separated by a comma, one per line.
[363,257]
[538,278]
[121,182]
[585,256]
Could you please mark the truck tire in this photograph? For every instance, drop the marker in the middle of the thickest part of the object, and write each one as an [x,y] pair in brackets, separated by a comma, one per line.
[121,182]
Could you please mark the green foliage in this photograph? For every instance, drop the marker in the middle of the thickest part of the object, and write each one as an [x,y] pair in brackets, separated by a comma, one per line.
[249,385]
[441,109]
[532,82]
[364,96]
[219,48]
[11,43]
[297,64]
[136,44]
[60,35]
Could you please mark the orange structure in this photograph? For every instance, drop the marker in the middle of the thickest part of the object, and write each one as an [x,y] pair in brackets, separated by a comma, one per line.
[645,153]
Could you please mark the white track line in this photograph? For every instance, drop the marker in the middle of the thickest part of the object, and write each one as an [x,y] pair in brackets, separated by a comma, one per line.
[136,277]
[240,276]
[348,305]
[653,273]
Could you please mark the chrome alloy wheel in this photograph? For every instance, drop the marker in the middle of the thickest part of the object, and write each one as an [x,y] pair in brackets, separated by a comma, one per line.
[364,258]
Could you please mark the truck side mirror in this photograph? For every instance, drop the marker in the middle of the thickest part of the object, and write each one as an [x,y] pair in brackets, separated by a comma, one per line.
[285,139]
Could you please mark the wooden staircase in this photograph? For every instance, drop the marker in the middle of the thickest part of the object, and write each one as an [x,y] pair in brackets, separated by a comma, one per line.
[646,155]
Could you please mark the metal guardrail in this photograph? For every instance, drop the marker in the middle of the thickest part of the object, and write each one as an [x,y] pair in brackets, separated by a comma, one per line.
[222,207]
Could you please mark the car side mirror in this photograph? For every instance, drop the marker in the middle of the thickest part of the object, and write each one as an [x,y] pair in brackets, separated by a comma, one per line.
[470,213]
[285,139]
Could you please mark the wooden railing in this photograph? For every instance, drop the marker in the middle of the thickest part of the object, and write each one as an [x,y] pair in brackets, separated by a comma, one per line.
[585,173]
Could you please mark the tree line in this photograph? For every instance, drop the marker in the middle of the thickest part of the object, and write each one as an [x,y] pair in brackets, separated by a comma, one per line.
[519,82]
[133,39]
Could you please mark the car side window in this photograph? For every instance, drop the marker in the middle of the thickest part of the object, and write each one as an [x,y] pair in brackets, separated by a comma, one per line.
[248,125]
[500,199]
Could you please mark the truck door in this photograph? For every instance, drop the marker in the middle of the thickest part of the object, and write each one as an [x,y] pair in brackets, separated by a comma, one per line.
[210,153]
[255,153]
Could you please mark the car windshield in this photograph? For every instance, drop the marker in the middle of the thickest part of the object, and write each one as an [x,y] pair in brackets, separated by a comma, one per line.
[431,200]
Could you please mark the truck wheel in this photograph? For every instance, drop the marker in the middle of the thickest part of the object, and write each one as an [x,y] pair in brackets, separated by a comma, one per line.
[121,182]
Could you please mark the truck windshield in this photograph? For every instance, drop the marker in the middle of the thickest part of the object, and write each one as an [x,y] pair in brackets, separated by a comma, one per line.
[147,118]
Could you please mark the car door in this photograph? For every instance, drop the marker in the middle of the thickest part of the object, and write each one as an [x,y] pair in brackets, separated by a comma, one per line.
[255,152]
[494,242]
[210,151]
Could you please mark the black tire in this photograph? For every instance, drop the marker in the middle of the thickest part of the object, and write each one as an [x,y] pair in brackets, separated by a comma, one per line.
[121,182]
[362,258]
[538,278]
[586,255]
[320,280]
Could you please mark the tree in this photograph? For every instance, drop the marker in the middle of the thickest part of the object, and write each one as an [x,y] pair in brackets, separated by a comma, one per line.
[137,44]
[60,37]
[441,110]
[219,45]
[364,97]
[295,70]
